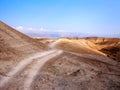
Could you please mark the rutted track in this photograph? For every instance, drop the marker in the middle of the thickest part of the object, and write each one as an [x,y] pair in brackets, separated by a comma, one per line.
[36,67]
[39,59]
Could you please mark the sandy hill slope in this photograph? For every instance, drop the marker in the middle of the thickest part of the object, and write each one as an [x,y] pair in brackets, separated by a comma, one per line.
[91,45]
[14,42]
[104,42]
[78,46]
[109,46]
[15,46]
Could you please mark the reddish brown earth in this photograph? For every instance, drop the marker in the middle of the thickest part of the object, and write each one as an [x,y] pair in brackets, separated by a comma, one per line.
[91,63]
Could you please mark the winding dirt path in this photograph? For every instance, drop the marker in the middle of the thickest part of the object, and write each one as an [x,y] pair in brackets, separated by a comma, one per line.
[39,59]
[36,67]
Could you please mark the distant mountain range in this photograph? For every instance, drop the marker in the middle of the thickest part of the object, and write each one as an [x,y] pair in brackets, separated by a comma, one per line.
[57,34]
[69,34]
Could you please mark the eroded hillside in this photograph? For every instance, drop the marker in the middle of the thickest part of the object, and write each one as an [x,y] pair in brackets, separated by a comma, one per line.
[57,64]
[15,46]
[109,46]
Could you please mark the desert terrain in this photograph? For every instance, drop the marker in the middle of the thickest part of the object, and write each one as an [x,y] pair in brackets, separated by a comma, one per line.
[27,63]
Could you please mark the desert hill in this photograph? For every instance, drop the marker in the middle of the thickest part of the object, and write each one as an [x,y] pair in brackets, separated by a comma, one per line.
[109,46]
[15,46]
[14,42]
[81,46]
[104,42]
[27,63]
[95,45]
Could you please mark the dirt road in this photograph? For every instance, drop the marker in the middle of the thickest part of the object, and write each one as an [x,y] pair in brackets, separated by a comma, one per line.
[28,68]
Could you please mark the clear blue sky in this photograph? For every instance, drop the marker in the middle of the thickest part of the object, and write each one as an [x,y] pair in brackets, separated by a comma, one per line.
[98,16]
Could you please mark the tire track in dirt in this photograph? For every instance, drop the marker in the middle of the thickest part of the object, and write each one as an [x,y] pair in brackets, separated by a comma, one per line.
[20,66]
[32,73]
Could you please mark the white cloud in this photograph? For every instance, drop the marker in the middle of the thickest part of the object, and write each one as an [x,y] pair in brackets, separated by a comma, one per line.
[19,28]
[32,30]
